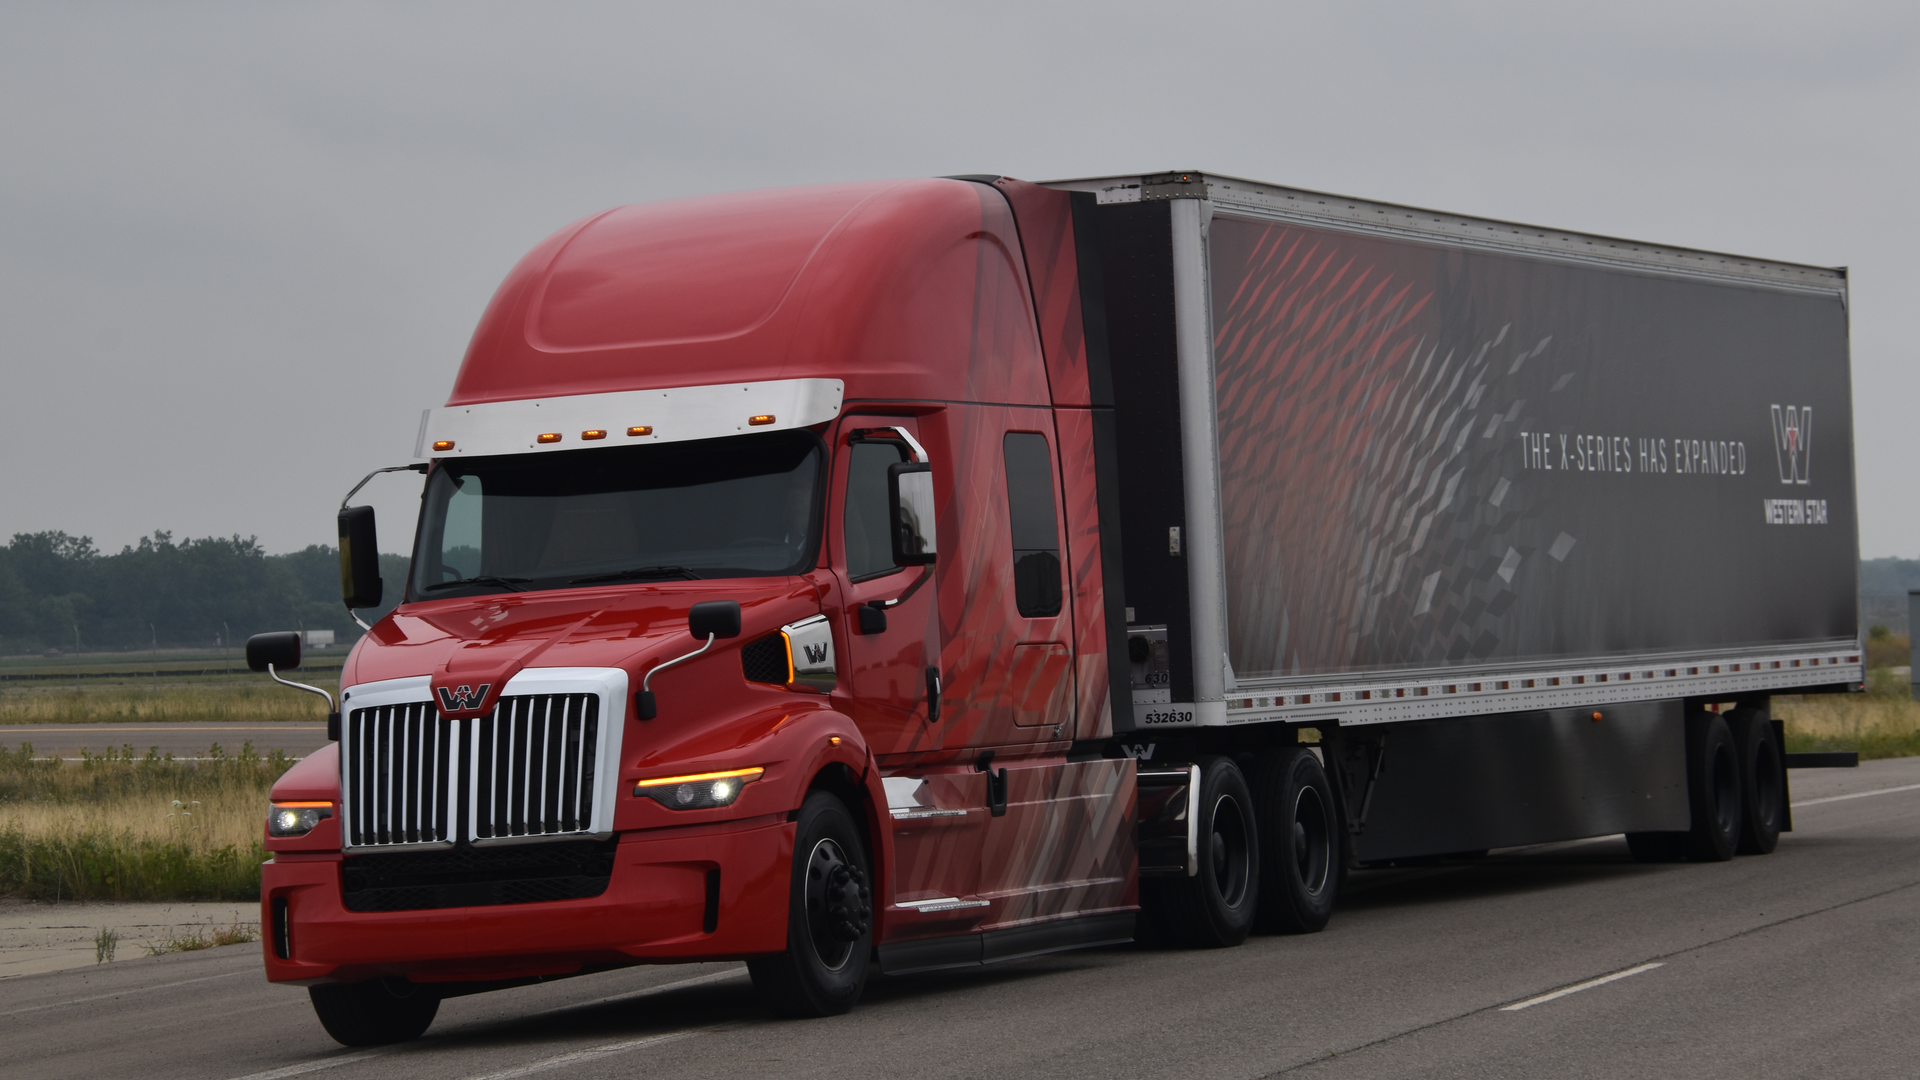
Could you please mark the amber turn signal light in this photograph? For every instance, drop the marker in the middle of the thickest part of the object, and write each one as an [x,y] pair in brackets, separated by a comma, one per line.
[549,437]
[639,431]
[763,418]
[594,433]
[443,444]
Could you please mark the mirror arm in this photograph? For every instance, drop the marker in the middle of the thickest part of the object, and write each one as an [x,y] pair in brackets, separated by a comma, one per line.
[355,616]
[417,467]
[646,684]
[275,676]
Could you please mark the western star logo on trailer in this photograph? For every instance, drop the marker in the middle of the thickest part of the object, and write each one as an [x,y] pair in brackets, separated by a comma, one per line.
[1793,448]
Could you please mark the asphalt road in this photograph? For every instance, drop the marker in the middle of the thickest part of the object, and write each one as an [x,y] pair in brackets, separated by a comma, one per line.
[1804,963]
[180,740]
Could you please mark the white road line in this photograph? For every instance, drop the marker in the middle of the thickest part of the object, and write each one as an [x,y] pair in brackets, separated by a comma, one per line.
[1577,987]
[122,993]
[312,1066]
[698,980]
[592,1053]
[1857,795]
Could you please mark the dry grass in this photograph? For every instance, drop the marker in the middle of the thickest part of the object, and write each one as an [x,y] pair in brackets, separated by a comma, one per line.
[117,826]
[1881,723]
[195,940]
[210,698]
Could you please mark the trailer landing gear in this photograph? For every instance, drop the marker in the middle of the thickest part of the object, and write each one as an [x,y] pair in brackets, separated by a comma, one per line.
[829,918]
[1213,908]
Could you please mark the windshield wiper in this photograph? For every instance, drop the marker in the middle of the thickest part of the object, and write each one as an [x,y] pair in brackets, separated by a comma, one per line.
[637,572]
[510,583]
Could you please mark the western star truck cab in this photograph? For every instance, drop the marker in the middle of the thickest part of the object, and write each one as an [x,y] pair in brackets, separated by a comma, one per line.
[931,573]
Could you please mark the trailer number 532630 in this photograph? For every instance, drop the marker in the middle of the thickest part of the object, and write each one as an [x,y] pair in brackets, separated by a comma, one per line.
[1171,716]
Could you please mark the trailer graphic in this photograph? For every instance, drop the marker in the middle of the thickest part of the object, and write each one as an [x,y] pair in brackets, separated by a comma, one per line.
[932,573]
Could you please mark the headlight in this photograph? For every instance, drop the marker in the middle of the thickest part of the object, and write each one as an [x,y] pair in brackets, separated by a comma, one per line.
[296,818]
[701,791]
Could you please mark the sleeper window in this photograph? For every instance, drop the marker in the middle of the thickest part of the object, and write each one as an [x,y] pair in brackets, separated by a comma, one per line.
[1030,512]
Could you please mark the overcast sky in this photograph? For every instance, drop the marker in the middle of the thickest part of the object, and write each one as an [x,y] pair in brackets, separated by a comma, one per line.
[242,246]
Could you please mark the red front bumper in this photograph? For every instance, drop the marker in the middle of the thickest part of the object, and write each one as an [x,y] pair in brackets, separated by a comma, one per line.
[654,909]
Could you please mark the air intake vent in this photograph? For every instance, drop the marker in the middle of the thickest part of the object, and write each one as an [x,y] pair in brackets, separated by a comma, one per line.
[765,660]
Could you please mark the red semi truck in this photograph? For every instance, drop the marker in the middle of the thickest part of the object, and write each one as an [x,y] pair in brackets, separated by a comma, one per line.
[932,573]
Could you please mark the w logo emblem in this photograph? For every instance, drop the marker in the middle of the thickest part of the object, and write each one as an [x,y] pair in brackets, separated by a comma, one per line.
[463,699]
[1792,442]
[815,653]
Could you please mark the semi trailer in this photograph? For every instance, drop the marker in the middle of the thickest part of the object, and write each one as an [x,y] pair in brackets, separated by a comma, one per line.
[932,573]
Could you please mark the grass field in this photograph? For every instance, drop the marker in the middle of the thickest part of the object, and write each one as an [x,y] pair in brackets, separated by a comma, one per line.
[1884,722]
[117,826]
[245,696]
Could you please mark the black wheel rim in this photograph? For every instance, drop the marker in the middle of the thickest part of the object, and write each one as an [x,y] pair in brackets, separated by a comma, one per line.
[1229,855]
[1312,846]
[839,907]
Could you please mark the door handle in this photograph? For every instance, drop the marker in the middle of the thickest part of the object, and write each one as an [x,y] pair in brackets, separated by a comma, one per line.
[933,695]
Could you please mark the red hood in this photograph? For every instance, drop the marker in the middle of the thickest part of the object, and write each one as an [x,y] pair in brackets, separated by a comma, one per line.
[486,640]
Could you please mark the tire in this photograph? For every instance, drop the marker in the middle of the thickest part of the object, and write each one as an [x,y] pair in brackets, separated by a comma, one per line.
[1214,908]
[1713,788]
[1763,789]
[374,1013]
[1300,851]
[829,918]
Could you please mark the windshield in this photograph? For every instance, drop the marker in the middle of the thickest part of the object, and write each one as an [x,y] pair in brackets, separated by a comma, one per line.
[738,507]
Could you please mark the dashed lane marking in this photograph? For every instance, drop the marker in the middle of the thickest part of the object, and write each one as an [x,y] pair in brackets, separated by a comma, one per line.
[575,1057]
[1577,987]
[312,1066]
[1856,795]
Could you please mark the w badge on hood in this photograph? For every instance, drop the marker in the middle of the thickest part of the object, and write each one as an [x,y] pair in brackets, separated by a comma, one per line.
[464,698]
[1793,441]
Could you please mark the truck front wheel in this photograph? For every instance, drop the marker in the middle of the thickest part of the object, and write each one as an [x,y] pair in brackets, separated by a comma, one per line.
[1300,844]
[829,918]
[374,1013]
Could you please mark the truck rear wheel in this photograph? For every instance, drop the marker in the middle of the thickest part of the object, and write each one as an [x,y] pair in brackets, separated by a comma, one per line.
[829,918]
[1713,788]
[1763,788]
[374,1013]
[1300,841]
[1214,908]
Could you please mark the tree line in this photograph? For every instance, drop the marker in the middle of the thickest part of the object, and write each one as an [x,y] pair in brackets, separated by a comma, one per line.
[60,592]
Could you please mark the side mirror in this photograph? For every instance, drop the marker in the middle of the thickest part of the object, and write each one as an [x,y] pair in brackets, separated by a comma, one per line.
[360,584]
[720,618]
[282,650]
[910,510]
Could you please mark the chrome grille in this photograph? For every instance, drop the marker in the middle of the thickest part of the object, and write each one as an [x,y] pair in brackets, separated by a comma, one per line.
[399,782]
[528,768]
[533,766]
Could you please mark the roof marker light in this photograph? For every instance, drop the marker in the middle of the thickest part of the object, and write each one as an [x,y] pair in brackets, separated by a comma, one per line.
[639,431]
[760,418]
[443,444]
[549,437]
[594,433]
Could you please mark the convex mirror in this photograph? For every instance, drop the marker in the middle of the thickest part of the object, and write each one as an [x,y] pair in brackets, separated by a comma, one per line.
[910,510]
[282,650]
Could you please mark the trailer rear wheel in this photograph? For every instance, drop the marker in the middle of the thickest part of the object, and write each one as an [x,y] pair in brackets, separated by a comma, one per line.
[1300,838]
[1713,788]
[1214,908]
[829,918]
[1762,785]
[374,1013]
